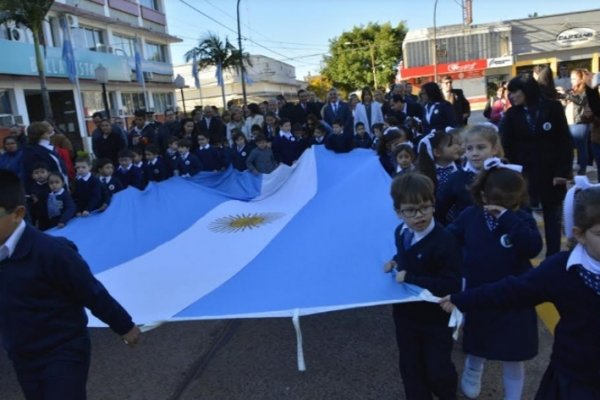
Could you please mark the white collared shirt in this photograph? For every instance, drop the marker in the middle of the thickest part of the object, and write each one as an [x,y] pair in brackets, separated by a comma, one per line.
[205,147]
[125,169]
[8,248]
[579,256]
[470,168]
[85,177]
[61,191]
[185,156]
[287,135]
[153,161]
[419,235]
[46,143]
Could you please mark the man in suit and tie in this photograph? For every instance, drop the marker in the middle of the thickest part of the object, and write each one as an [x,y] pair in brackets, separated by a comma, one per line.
[456,97]
[213,125]
[301,110]
[337,110]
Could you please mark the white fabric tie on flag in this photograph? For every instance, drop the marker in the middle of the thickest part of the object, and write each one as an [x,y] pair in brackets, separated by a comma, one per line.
[205,269]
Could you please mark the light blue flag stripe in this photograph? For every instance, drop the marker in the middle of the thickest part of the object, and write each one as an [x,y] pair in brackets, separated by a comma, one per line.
[330,256]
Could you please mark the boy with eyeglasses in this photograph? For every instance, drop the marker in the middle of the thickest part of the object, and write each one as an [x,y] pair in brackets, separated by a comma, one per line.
[427,256]
[44,287]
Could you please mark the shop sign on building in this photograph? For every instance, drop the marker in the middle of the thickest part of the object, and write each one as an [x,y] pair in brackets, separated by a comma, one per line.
[499,62]
[575,36]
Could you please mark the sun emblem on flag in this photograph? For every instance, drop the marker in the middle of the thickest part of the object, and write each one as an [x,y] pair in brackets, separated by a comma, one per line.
[242,222]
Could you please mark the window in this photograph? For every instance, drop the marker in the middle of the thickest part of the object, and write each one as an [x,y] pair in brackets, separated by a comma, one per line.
[155,52]
[153,4]
[92,37]
[162,101]
[124,45]
[132,102]
[5,107]
[92,102]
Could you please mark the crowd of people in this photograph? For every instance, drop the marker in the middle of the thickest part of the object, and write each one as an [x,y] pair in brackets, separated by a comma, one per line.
[459,200]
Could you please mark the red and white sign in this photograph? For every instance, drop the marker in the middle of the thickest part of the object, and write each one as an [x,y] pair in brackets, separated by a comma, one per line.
[466,68]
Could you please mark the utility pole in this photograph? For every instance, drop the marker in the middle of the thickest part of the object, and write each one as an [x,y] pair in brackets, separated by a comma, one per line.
[242,74]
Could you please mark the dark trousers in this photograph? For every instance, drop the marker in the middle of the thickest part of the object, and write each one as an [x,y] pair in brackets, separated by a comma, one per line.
[62,376]
[552,226]
[425,360]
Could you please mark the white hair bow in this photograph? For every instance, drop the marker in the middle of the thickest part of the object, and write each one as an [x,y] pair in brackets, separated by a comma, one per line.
[495,162]
[426,141]
[581,183]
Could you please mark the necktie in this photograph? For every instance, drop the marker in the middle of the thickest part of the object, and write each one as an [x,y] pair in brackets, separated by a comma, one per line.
[590,279]
[407,238]
[443,173]
[490,220]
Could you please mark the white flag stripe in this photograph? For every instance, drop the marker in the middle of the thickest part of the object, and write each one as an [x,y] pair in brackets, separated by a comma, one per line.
[152,288]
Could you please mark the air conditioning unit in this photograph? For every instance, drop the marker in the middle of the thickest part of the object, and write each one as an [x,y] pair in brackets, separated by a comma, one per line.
[8,120]
[102,48]
[73,21]
[148,76]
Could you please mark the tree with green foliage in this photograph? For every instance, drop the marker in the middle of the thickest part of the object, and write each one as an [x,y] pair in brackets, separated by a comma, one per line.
[212,51]
[31,14]
[357,55]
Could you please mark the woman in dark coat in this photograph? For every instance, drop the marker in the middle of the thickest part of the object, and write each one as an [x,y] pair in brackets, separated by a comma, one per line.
[437,112]
[535,134]
[40,151]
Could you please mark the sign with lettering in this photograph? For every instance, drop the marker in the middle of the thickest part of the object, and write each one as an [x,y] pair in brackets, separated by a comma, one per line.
[499,62]
[575,36]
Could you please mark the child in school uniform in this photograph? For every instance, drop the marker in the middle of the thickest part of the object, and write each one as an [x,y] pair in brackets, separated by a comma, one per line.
[209,156]
[361,137]
[88,189]
[569,280]
[38,195]
[377,130]
[240,152]
[188,164]
[437,157]
[284,144]
[60,204]
[261,159]
[427,255]
[339,141]
[498,238]
[110,184]
[45,287]
[171,155]
[127,173]
[481,142]
[405,158]
[138,162]
[388,143]
[318,136]
[155,169]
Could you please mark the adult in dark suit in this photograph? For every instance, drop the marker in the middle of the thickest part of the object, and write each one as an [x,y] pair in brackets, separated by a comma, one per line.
[535,134]
[402,108]
[437,113]
[301,110]
[456,97]
[39,151]
[213,125]
[109,143]
[338,110]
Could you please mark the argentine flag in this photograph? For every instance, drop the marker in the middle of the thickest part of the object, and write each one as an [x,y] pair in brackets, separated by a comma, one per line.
[302,240]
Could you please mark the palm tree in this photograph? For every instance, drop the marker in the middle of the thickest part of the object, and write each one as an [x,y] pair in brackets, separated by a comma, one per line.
[31,14]
[211,51]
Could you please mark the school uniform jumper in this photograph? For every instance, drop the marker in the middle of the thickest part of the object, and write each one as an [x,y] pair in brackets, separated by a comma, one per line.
[61,207]
[132,176]
[574,369]
[340,143]
[189,166]
[422,333]
[362,142]
[239,156]
[286,148]
[44,287]
[156,171]
[453,196]
[210,158]
[489,256]
[88,193]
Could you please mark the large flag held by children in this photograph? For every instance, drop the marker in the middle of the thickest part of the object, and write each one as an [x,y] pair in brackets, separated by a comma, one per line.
[302,240]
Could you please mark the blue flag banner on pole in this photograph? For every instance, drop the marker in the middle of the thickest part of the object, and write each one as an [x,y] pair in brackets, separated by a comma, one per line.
[195,73]
[139,73]
[67,52]
[247,79]
[302,240]
[219,74]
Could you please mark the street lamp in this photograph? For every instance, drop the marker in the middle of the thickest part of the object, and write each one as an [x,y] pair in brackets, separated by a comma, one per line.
[241,53]
[435,69]
[372,53]
[102,78]
[180,84]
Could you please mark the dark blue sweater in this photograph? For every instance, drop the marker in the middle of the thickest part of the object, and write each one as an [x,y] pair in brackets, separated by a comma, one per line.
[287,150]
[88,194]
[432,263]
[576,350]
[489,256]
[66,206]
[341,143]
[156,172]
[131,177]
[44,288]
[190,166]
[453,196]
[211,159]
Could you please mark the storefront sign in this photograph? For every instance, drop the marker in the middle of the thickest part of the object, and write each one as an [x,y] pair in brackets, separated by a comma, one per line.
[499,62]
[22,62]
[466,68]
[575,36]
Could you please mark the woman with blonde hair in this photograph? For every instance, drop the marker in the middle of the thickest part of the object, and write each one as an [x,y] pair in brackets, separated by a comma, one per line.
[579,116]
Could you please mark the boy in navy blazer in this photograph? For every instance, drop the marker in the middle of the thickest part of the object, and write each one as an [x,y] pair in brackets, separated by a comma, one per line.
[210,158]
[44,287]
[188,164]
[155,169]
[428,256]
[88,189]
[127,173]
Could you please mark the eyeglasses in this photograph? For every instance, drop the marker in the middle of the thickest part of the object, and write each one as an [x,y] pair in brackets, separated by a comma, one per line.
[412,212]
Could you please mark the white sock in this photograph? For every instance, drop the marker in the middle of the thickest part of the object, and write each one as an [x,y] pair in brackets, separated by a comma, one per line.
[475,363]
[514,378]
